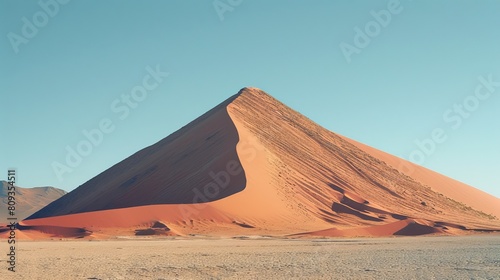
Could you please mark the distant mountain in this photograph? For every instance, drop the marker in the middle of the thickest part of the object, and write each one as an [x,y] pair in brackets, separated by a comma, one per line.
[252,165]
[28,200]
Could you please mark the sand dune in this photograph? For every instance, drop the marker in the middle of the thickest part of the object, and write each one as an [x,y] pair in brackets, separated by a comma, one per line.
[29,200]
[253,166]
[406,227]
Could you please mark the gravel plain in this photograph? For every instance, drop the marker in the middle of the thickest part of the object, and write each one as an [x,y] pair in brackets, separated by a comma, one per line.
[436,257]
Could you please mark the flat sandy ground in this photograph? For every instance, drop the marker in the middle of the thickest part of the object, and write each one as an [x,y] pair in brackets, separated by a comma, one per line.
[470,257]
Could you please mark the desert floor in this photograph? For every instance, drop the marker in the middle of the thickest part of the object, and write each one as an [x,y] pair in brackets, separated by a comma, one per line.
[469,257]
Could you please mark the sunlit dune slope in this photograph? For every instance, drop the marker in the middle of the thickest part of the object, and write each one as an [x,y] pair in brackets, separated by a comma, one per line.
[449,187]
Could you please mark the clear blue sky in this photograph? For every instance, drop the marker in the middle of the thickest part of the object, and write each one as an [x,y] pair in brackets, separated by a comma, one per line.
[84,55]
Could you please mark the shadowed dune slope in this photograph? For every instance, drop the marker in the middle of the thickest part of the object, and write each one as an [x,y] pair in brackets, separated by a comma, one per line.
[254,166]
[172,171]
